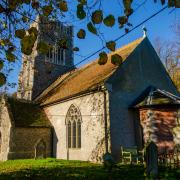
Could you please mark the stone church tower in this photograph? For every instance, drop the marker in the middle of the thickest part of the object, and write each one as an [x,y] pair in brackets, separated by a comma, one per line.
[39,70]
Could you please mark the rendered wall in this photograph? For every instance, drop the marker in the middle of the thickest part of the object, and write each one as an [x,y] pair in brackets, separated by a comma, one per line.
[92,128]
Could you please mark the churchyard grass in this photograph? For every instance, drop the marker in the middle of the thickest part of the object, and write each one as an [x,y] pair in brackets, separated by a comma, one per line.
[61,169]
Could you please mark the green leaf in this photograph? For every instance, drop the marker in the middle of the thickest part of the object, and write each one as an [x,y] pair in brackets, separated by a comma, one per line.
[97,17]
[33,31]
[81,14]
[116,59]
[1,65]
[91,28]
[75,49]
[126,30]
[103,58]
[4,42]
[24,19]
[27,1]
[20,33]
[111,45]
[109,21]
[42,47]
[122,20]
[83,2]
[127,4]
[81,34]
[47,10]
[11,48]
[2,79]
[128,12]
[35,4]
[27,44]
[63,6]
[10,56]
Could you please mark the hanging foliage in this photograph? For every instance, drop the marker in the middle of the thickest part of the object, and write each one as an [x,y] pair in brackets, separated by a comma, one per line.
[35,4]
[103,58]
[27,44]
[83,2]
[47,10]
[122,20]
[81,14]
[81,34]
[42,47]
[109,20]
[111,45]
[97,17]
[33,31]
[1,65]
[24,19]
[127,7]
[91,28]
[63,6]
[116,59]
[10,56]
[20,33]
[2,79]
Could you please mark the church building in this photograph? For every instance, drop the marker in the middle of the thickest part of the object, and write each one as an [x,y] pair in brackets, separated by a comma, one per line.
[81,113]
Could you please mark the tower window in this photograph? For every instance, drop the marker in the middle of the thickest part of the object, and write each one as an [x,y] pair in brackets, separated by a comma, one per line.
[56,55]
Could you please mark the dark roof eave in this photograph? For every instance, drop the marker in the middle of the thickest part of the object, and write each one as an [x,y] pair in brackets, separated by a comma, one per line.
[175,106]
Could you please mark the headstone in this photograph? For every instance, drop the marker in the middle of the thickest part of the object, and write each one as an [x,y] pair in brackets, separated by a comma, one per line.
[40,150]
[151,159]
[108,161]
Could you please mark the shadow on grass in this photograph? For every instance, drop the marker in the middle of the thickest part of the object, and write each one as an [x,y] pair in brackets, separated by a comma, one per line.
[86,172]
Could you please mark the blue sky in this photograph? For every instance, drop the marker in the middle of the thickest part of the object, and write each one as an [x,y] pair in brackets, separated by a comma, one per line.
[159,26]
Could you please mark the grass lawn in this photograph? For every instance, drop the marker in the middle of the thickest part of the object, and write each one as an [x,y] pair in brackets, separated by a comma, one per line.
[62,169]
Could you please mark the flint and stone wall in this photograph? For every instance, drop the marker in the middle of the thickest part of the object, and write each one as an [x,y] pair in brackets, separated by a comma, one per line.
[92,128]
[5,131]
[24,140]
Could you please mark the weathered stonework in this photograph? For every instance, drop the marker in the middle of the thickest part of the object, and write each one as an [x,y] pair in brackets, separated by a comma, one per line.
[37,71]
[20,142]
[5,130]
[24,140]
[92,129]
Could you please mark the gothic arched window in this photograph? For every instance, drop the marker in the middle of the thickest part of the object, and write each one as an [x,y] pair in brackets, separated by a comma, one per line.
[73,126]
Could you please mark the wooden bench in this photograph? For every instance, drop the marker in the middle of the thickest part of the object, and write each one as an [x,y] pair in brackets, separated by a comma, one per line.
[131,155]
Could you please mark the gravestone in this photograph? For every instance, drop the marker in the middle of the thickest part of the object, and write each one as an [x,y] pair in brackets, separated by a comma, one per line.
[151,159]
[40,150]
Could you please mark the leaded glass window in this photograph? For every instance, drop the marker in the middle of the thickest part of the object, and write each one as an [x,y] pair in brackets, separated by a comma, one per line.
[73,126]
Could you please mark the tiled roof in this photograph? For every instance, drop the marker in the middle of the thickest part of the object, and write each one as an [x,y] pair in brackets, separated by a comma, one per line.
[83,79]
[26,114]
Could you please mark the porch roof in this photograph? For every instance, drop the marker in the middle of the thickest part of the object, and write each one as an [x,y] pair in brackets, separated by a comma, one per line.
[152,97]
